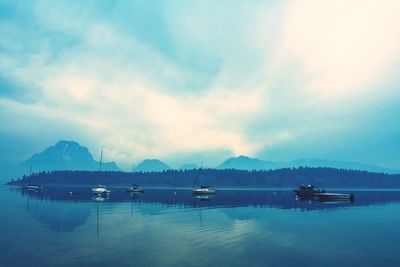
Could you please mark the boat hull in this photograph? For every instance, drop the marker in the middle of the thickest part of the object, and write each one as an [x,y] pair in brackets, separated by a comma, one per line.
[203,192]
[334,195]
[100,191]
[32,187]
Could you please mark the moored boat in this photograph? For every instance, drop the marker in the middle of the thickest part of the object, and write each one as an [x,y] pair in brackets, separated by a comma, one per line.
[135,189]
[100,190]
[32,187]
[203,189]
[29,186]
[312,192]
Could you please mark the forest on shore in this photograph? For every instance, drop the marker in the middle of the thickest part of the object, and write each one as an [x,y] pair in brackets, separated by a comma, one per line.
[287,177]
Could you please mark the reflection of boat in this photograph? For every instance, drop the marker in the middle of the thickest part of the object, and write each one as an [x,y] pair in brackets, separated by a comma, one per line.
[100,190]
[203,189]
[29,186]
[100,198]
[203,196]
[311,192]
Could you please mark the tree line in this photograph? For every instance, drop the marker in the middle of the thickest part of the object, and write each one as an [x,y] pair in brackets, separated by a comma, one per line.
[286,177]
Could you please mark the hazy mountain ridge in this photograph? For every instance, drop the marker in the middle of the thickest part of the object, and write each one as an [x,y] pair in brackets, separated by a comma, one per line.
[247,163]
[70,155]
[67,155]
[152,165]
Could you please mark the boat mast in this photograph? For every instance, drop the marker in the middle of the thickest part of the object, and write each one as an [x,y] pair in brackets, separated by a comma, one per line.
[101,159]
[30,175]
[201,176]
[133,172]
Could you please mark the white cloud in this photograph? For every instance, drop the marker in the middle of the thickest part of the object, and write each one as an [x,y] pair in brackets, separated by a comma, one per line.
[343,48]
[265,74]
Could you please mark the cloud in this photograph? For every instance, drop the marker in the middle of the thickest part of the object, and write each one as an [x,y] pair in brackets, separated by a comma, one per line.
[201,78]
[343,48]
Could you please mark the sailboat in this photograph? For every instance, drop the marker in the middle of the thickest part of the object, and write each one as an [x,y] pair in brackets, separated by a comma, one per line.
[203,189]
[29,186]
[135,188]
[100,190]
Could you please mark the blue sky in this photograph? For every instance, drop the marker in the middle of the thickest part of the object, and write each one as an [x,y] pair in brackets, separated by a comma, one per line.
[185,81]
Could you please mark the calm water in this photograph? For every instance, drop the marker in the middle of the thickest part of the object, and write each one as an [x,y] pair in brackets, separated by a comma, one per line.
[164,227]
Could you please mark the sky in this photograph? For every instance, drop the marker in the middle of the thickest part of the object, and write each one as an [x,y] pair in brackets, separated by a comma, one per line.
[191,81]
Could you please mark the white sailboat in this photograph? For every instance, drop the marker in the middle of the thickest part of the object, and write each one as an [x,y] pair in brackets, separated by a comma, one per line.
[100,190]
[135,188]
[29,186]
[202,189]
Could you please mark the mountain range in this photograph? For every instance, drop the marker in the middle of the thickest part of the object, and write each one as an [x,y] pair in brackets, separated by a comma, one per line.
[70,155]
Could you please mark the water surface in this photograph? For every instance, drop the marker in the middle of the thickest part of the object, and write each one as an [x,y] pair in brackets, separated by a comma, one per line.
[169,227]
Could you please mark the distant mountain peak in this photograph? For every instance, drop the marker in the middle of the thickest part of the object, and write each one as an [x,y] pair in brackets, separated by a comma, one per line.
[243,162]
[152,165]
[67,155]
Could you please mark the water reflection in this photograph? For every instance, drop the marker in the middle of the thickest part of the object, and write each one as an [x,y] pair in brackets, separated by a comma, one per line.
[171,227]
[68,216]
[284,199]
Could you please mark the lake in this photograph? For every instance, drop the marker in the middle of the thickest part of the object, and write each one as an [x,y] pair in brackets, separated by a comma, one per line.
[170,227]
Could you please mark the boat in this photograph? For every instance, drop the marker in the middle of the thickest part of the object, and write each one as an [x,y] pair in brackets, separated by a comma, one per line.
[100,190]
[203,189]
[135,188]
[29,186]
[312,192]
[308,190]
[32,187]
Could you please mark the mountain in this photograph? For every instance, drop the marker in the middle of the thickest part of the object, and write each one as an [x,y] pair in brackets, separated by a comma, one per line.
[152,165]
[189,166]
[66,155]
[246,163]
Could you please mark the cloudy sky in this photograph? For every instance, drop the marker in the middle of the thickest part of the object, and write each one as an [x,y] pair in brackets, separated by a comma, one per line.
[185,81]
